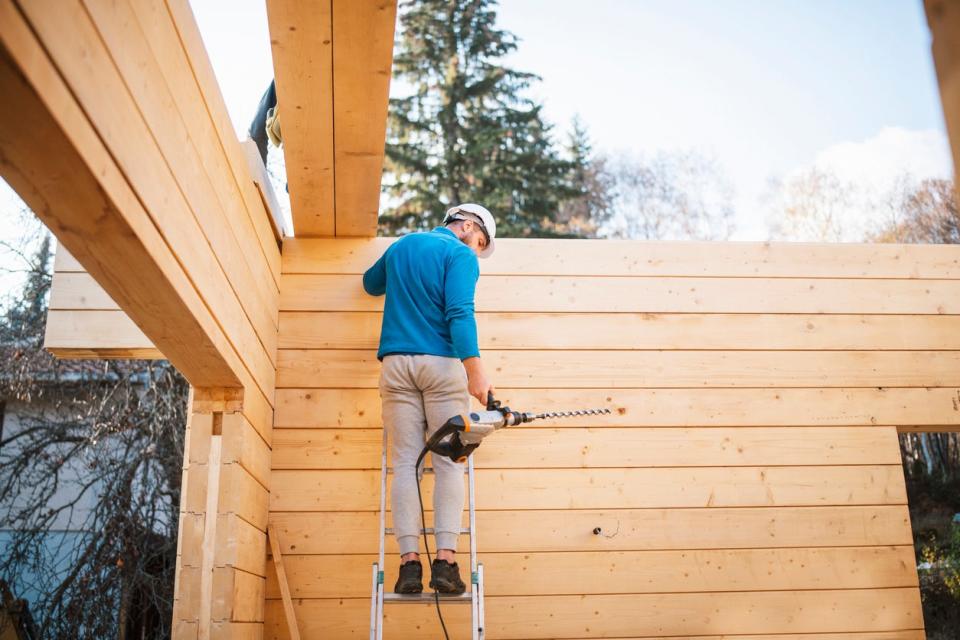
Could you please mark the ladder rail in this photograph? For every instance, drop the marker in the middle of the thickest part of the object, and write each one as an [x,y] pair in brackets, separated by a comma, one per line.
[378,598]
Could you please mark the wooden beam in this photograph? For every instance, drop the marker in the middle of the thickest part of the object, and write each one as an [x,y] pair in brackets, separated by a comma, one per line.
[301,36]
[745,615]
[943,18]
[649,258]
[332,62]
[362,62]
[560,447]
[97,334]
[917,408]
[350,532]
[588,572]
[55,159]
[288,611]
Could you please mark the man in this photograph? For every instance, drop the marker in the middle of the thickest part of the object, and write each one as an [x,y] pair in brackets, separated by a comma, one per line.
[430,368]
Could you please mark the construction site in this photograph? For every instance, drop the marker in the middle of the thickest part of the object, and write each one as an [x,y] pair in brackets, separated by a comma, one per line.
[745,482]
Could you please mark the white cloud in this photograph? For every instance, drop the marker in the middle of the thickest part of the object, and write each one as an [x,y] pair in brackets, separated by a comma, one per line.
[866,180]
[878,161]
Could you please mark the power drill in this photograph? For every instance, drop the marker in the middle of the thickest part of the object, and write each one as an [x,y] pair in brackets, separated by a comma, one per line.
[461,435]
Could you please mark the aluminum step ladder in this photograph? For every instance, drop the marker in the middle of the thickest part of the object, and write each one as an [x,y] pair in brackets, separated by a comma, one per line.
[473,597]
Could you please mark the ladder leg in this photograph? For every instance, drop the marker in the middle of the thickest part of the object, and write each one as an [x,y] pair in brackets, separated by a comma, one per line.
[481,624]
[373,603]
[376,592]
[474,594]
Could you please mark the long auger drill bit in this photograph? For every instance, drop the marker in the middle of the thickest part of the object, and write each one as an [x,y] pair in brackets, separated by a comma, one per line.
[571,414]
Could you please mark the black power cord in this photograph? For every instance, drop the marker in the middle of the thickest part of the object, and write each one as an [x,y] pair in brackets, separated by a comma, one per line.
[426,542]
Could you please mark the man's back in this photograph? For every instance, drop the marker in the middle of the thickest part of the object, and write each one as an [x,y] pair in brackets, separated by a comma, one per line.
[429,279]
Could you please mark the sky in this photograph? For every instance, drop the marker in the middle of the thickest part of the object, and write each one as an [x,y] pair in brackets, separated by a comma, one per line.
[766,88]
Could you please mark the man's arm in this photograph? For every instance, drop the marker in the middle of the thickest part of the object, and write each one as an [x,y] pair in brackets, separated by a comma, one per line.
[375,278]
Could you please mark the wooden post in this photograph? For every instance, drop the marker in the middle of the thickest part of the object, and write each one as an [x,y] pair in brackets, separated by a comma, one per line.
[222,561]
[210,526]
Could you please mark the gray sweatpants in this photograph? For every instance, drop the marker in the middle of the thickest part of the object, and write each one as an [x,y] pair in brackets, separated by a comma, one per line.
[419,393]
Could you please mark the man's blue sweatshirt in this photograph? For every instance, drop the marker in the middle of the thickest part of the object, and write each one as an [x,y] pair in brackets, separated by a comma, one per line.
[430,279]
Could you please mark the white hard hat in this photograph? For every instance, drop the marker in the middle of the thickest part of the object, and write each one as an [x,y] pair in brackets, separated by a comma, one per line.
[481,215]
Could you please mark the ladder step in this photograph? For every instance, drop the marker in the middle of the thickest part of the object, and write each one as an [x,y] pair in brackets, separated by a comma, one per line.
[389,530]
[427,470]
[420,598]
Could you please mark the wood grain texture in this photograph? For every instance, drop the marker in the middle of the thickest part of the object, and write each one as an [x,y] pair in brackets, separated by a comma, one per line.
[301,37]
[608,257]
[654,615]
[588,572]
[633,488]
[362,60]
[96,334]
[563,331]
[189,36]
[125,127]
[651,369]
[609,294]
[625,530]
[174,111]
[931,408]
[609,447]
[76,187]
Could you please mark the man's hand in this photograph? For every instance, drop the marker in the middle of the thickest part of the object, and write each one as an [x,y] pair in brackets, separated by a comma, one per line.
[477,382]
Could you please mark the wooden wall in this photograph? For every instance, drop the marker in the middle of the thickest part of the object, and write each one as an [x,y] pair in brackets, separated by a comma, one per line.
[115,133]
[747,483]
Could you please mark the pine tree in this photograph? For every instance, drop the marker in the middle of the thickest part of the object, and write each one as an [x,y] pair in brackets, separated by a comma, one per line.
[590,204]
[465,132]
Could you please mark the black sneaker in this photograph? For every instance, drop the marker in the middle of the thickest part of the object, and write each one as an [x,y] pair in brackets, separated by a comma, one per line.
[411,578]
[445,577]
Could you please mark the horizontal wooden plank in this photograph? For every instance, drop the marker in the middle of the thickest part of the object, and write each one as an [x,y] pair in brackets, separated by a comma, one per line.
[224,630]
[621,530]
[361,330]
[909,634]
[524,293]
[523,574]
[585,447]
[654,258]
[78,290]
[96,334]
[929,407]
[63,260]
[647,488]
[337,368]
[599,616]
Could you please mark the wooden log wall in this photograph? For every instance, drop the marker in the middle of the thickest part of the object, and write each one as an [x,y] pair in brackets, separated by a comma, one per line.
[116,135]
[748,482]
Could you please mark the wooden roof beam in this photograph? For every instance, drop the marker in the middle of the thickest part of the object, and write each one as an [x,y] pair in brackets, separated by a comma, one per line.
[54,158]
[332,61]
